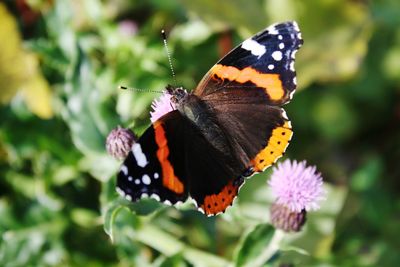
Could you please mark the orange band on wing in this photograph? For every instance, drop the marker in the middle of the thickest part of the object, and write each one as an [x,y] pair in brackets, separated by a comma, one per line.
[271,83]
[169,179]
[219,202]
[277,144]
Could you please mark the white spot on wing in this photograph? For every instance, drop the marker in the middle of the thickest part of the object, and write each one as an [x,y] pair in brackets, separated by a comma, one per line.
[128,197]
[146,179]
[296,26]
[137,181]
[155,196]
[144,195]
[291,94]
[156,175]
[124,170]
[271,66]
[281,45]
[295,80]
[280,37]
[167,202]
[277,55]
[272,30]
[130,178]
[292,65]
[284,115]
[254,47]
[294,54]
[140,157]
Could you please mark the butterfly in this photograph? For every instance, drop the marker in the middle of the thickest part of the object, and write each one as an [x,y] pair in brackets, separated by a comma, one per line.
[231,126]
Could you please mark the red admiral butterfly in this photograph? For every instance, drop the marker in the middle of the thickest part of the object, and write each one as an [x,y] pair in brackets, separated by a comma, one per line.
[230,127]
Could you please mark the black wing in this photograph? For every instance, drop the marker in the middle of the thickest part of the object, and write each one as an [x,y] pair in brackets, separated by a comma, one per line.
[173,159]
[264,62]
[155,166]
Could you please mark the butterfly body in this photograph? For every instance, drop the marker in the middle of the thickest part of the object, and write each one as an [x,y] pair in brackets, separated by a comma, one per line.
[230,127]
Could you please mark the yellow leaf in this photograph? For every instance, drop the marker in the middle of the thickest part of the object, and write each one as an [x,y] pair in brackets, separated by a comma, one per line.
[37,97]
[19,70]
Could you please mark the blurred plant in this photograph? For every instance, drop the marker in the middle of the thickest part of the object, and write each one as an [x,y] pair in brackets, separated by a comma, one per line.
[19,70]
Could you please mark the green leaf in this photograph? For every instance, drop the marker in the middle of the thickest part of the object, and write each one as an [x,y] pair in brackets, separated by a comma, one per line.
[110,216]
[295,249]
[176,260]
[253,244]
[169,245]
[109,219]
[141,208]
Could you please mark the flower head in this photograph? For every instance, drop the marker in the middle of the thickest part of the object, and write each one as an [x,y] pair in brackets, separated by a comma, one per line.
[119,142]
[161,106]
[287,220]
[297,186]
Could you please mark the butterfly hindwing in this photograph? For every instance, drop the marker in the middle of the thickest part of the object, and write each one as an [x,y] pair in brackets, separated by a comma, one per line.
[213,167]
[253,127]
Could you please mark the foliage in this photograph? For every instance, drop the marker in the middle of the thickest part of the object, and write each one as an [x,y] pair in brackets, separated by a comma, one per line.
[60,65]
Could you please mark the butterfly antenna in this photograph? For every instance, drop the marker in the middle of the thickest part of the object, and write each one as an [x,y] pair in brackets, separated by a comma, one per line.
[164,36]
[138,89]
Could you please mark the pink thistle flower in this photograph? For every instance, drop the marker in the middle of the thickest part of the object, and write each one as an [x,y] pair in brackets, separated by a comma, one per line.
[161,106]
[297,186]
[119,142]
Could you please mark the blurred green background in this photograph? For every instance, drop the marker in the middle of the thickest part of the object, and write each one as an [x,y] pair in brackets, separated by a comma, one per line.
[60,65]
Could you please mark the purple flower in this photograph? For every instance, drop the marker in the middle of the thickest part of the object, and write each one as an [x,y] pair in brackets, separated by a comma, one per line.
[119,142]
[161,106]
[297,186]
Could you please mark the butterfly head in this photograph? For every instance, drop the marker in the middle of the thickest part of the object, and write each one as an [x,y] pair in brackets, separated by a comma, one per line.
[178,94]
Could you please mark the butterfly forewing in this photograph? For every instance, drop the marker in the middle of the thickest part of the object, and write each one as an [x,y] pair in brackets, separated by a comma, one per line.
[264,61]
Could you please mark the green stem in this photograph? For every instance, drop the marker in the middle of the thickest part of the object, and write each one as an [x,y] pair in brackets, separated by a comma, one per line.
[268,251]
[169,245]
